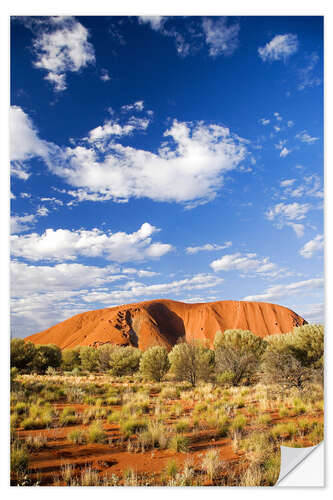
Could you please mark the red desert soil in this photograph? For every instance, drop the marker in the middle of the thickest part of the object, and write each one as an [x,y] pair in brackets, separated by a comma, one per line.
[163,322]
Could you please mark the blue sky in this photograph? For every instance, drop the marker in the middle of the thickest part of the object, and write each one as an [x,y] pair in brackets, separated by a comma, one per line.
[165,157]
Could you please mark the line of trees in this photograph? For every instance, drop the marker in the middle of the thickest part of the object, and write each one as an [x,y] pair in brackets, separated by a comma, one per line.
[239,357]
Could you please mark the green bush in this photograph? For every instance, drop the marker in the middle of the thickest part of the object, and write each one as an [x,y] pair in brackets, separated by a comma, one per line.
[21,354]
[191,362]
[237,355]
[46,356]
[124,361]
[154,363]
[96,433]
[89,358]
[180,443]
[18,459]
[71,359]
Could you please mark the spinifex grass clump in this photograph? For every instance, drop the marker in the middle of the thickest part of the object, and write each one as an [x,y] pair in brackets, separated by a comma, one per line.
[96,433]
[211,463]
[180,443]
[69,416]
[132,426]
[238,423]
[77,436]
[18,460]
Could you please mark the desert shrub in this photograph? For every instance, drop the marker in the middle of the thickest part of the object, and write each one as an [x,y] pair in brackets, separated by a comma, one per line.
[211,463]
[169,393]
[307,344]
[279,431]
[104,353]
[69,416]
[95,433]
[171,468]
[18,459]
[71,359]
[191,362]
[77,436]
[90,477]
[182,426]
[238,352]
[125,361]
[180,443]
[238,423]
[154,363]
[89,358]
[281,367]
[21,354]
[132,426]
[46,356]
[225,378]
[36,442]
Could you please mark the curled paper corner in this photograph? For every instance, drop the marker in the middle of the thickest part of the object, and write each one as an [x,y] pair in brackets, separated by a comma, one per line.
[291,458]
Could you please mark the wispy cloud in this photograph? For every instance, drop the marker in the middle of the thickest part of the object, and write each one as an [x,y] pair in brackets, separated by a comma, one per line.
[208,247]
[221,38]
[249,263]
[277,292]
[281,47]
[313,246]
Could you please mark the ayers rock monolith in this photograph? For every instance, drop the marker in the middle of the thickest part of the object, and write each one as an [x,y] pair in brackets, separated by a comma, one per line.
[164,322]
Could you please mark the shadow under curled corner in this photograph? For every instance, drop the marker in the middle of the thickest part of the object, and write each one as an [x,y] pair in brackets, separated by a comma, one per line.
[302,466]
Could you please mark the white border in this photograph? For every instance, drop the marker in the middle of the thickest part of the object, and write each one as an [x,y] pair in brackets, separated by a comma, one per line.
[148,7]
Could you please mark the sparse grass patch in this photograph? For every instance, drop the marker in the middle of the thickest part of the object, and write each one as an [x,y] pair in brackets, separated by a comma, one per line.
[77,436]
[96,433]
[180,443]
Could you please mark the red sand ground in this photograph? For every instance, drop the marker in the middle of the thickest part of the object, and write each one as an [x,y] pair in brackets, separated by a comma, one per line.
[163,322]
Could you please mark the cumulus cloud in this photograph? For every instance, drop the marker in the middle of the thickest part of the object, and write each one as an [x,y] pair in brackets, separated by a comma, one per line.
[264,121]
[136,106]
[63,244]
[24,142]
[61,46]
[208,247]
[313,246]
[287,182]
[276,292]
[281,47]
[305,137]
[220,38]
[288,214]
[189,166]
[155,22]
[247,263]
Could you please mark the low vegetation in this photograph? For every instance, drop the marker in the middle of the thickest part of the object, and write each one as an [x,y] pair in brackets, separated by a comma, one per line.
[196,417]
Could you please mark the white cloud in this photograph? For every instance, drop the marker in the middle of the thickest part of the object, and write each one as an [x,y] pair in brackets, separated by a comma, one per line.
[208,247]
[279,48]
[312,247]
[136,106]
[310,185]
[134,290]
[42,211]
[62,46]
[307,76]
[285,214]
[290,123]
[25,195]
[19,224]
[24,142]
[105,76]
[155,22]
[63,244]
[264,121]
[287,182]
[305,137]
[247,263]
[220,38]
[189,166]
[284,152]
[278,116]
[276,292]
[313,313]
